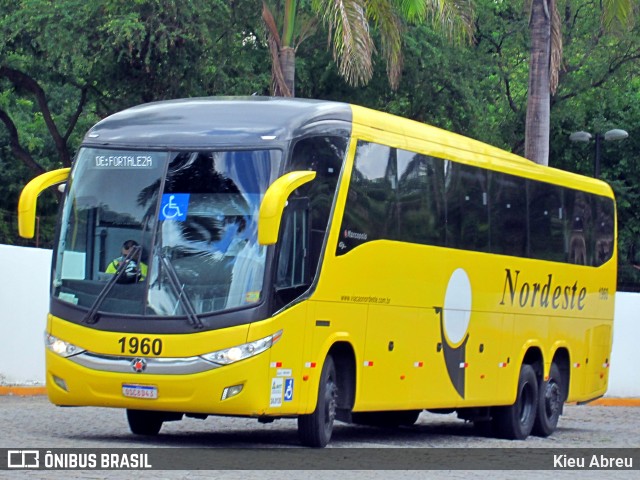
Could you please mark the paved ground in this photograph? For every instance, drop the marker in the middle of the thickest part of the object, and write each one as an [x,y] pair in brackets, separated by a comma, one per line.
[31,422]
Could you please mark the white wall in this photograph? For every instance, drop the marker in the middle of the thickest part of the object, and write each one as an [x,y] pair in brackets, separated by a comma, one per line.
[624,377]
[24,302]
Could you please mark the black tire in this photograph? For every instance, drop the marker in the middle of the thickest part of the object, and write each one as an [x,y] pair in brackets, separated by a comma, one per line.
[145,422]
[516,421]
[386,419]
[550,401]
[316,428]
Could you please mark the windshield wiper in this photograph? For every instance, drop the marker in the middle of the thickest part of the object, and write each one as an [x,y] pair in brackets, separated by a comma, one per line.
[174,283]
[92,316]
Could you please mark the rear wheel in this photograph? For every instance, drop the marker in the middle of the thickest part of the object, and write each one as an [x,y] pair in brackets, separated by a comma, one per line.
[550,400]
[145,422]
[316,428]
[516,421]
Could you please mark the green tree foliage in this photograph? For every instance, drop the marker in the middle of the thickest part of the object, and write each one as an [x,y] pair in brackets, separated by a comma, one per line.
[66,64]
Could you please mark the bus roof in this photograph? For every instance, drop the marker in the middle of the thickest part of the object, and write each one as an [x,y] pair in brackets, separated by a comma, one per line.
[273,121]
[213,122]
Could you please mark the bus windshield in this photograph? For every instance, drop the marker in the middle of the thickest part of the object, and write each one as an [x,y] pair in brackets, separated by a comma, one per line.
[163,233]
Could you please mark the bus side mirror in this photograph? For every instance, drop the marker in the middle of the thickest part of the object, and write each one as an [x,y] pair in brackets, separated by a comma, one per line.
[274,201]
[29,197]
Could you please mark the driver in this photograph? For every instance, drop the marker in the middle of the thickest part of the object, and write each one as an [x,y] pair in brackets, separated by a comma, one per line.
[136,270]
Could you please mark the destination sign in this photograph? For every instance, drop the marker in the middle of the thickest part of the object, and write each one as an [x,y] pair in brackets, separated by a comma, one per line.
[124,161]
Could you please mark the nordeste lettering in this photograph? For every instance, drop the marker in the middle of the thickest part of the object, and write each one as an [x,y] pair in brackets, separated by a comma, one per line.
[544,294]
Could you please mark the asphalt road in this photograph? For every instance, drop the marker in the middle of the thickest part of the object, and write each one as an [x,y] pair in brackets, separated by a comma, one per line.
[32,422]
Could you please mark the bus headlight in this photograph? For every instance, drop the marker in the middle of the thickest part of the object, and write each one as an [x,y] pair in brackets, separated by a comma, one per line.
[240,352]
[60,347]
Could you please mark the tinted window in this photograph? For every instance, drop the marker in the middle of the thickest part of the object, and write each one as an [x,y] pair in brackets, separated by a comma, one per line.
[604,228]
[508,212]
[292,266]
[323,155]
[420,201]
[547,218]
[467,207]
[579,227]
[406,196]
[370,211]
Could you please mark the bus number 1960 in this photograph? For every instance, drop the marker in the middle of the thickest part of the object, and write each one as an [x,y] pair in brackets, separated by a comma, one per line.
[144,346]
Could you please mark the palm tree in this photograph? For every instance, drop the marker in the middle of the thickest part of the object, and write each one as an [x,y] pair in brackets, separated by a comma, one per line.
[545,63]
[349,23]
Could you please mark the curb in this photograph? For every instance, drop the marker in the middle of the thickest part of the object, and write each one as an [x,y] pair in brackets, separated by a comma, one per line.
[615,402]
[22,391]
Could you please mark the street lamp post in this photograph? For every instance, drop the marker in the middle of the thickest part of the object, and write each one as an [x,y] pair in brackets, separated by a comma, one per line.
[615,134]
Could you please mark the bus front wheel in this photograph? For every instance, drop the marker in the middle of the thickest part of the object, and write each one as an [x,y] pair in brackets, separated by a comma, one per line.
[516,421]
[145,422]
[316,428]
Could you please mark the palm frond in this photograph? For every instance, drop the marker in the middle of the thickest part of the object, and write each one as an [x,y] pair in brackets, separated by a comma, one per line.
[453,18]
[618,14]
[353,47]
[385,17]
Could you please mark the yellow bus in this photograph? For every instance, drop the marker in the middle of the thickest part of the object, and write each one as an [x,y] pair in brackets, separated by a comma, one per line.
[289,258]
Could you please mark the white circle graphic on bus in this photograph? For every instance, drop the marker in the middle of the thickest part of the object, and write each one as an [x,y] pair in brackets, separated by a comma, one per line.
[457,306]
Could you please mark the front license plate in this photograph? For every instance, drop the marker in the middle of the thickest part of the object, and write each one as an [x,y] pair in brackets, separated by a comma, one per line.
[140,391]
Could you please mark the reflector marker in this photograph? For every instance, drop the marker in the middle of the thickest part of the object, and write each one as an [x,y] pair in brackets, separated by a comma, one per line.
[368,363]
[502,364]
[310,365]
[464,365]
[276,364]
[606,365]
[576,365]
[418,364]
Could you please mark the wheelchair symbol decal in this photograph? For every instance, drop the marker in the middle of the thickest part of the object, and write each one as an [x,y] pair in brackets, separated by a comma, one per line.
[174,206]
[288,389]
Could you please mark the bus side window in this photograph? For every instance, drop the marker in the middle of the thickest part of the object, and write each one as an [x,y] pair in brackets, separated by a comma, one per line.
[323,155]
[370,212]
[546,222]
[293,259]
[508,214]
[604,230]
[420,204]
[467,208]
[579,228]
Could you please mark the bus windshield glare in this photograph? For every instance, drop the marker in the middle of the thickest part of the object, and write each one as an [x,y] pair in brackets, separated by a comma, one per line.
[191,216]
